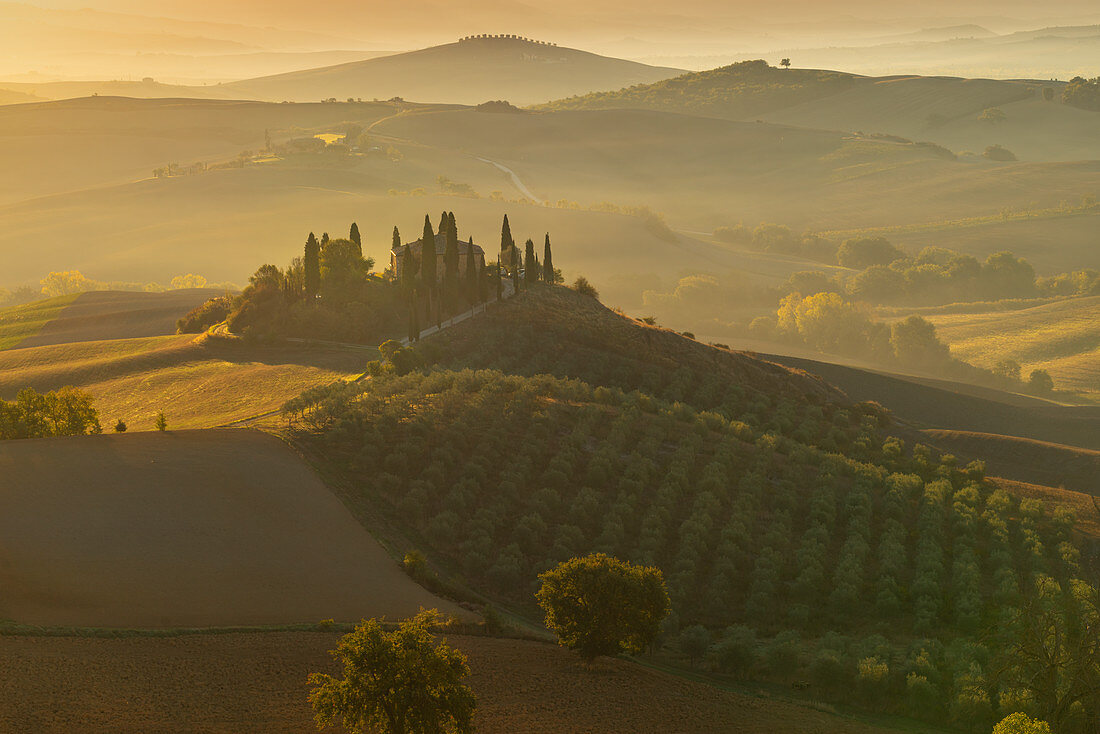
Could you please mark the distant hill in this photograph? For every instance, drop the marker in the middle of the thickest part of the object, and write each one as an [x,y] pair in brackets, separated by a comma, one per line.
[96,141]
[735,92]
[944,110]
[467,72]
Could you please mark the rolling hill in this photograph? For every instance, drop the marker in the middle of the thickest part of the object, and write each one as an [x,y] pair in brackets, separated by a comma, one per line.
[943,110]
[104,315]
[1062,337]
[467,72]
[96,141]
[707,172]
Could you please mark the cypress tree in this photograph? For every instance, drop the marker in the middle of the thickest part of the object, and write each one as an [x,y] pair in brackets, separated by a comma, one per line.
[324,239]
[444,223]
[472,290]
[499,283]
[356,238]
[396,238]
[408,273]
[547,262]
[427,263]
[311,265]
[507,244]
[450,267]
[530,263]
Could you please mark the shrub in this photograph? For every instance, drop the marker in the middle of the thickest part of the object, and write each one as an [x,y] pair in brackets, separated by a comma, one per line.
[582,286]
[203,317]
[998,153]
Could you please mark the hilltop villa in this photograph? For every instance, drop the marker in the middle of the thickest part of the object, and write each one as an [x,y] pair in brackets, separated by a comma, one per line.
[397,255]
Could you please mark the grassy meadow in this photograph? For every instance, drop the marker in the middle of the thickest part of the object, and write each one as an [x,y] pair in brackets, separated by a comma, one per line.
[1062,337]
[18,323]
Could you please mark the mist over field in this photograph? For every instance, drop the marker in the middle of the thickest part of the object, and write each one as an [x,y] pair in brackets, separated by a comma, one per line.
[421,366]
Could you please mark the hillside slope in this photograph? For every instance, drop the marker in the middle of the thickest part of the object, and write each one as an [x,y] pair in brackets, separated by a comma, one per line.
[97,141]
[195,529]
[104,315]
[707,171]
[466,72]
[943,110]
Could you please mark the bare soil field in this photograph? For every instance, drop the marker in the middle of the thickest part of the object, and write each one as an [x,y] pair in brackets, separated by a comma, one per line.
[1039,462]
[101,315]
[256,682]
[929,403]
[184,529]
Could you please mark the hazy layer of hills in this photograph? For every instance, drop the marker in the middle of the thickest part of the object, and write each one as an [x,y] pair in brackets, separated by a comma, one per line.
[469,72]
[945,110]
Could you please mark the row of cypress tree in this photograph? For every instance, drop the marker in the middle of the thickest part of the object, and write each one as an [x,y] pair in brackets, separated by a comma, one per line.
[436,296]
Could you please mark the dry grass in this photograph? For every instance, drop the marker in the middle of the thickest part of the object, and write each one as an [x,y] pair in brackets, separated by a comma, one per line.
[196,382]
[101,315]
[184,529]
[1062,337]
[257,683]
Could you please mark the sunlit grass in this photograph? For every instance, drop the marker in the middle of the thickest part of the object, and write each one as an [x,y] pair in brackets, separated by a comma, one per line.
[1062,337]
[196,383]
[21,322]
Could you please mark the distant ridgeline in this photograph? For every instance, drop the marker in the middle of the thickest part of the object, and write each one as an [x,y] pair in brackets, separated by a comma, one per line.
[504,37]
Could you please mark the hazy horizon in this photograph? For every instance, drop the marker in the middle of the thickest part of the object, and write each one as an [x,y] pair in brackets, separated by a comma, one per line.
[207,42]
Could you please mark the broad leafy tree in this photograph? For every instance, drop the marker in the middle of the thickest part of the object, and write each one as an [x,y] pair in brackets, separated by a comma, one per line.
[1051,649]
[400,682]
[600,605]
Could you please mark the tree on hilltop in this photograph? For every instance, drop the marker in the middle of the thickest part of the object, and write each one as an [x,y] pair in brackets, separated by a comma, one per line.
[473,279]
[507,244]
[600,605]
[400,682]
[548,274]
[450,264]
[427,264]
[785,63]
[530,270]
[311,262]
[354,236]
[396,238]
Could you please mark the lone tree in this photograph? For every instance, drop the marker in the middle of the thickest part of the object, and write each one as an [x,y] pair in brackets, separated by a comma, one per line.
[785,63]
[548,274]
[399,682]
[600,605]
[161,423]
[311,264]
[355,237]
